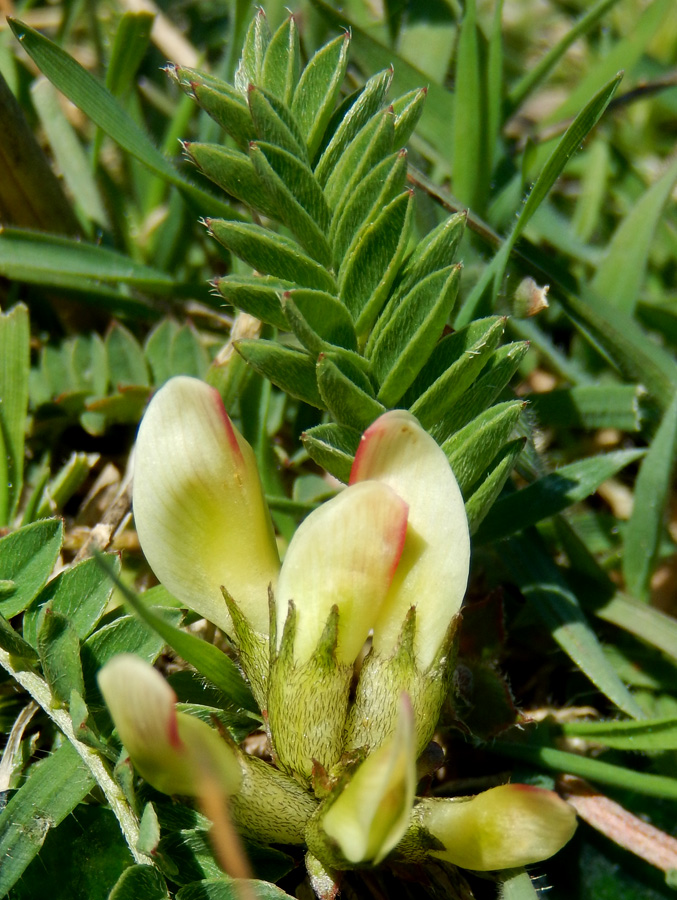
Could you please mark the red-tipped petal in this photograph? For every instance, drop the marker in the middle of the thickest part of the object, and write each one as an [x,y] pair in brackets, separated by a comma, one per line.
[344,553]
[198,505]
[433,572]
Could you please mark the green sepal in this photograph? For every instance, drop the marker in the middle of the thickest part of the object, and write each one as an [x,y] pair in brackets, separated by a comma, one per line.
[381,185]
[291,370]
[234,173]
[408,110]
[332,447]
[367,103]
[250,67]
[282,62]
[408,339]
[270,806]
[308,702]
[318,320]
[490,486]
[297,197]
[371,144]
[495,377]
[369,269]
[252,647]
[318,88]
[258,295]
[453,366]
[271,254]
[274,123]
[374,711]
[435,253]
[346,392]
[472,449]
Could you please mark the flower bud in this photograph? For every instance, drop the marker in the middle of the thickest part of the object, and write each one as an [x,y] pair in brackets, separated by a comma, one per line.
[175,753]
[371,814]
[199,508]
[502,828]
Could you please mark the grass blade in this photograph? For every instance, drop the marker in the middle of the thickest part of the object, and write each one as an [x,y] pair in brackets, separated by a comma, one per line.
[579,129]
[623,269]
[89,95]
[469,171]
[652,492]
[540,582]
[14,369]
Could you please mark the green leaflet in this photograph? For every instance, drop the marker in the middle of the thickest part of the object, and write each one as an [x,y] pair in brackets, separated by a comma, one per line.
[282,62]
[226,107]
[271,254]
[127,364]
[495,376]
[291,370]
[11,640]
[414,328]
[274,123]
[346,392]
[140,881]
[333,448]
[227,889]
[234,173]
[59,649]
[297,197]
[258,295]
[14,368]
[53,789]
[652,492]
[371,144]
[27,557]
[458,358]
[318,88]
[552,493]
[480,502]
[376,190]
[473,448]
[319,320]
[365,105]
[408,110]
[370,267]
[250,69]
[79,594]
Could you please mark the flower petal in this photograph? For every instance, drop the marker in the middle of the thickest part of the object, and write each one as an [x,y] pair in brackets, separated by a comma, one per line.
[433,572]
[502,828]
[174,752]
[371,815]
[343,554]
[199,508]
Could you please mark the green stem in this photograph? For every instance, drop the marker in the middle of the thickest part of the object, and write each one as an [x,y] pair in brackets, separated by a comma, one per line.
[39,691]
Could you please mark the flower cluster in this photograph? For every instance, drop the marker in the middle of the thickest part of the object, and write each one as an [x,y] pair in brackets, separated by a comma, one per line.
[387,556]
